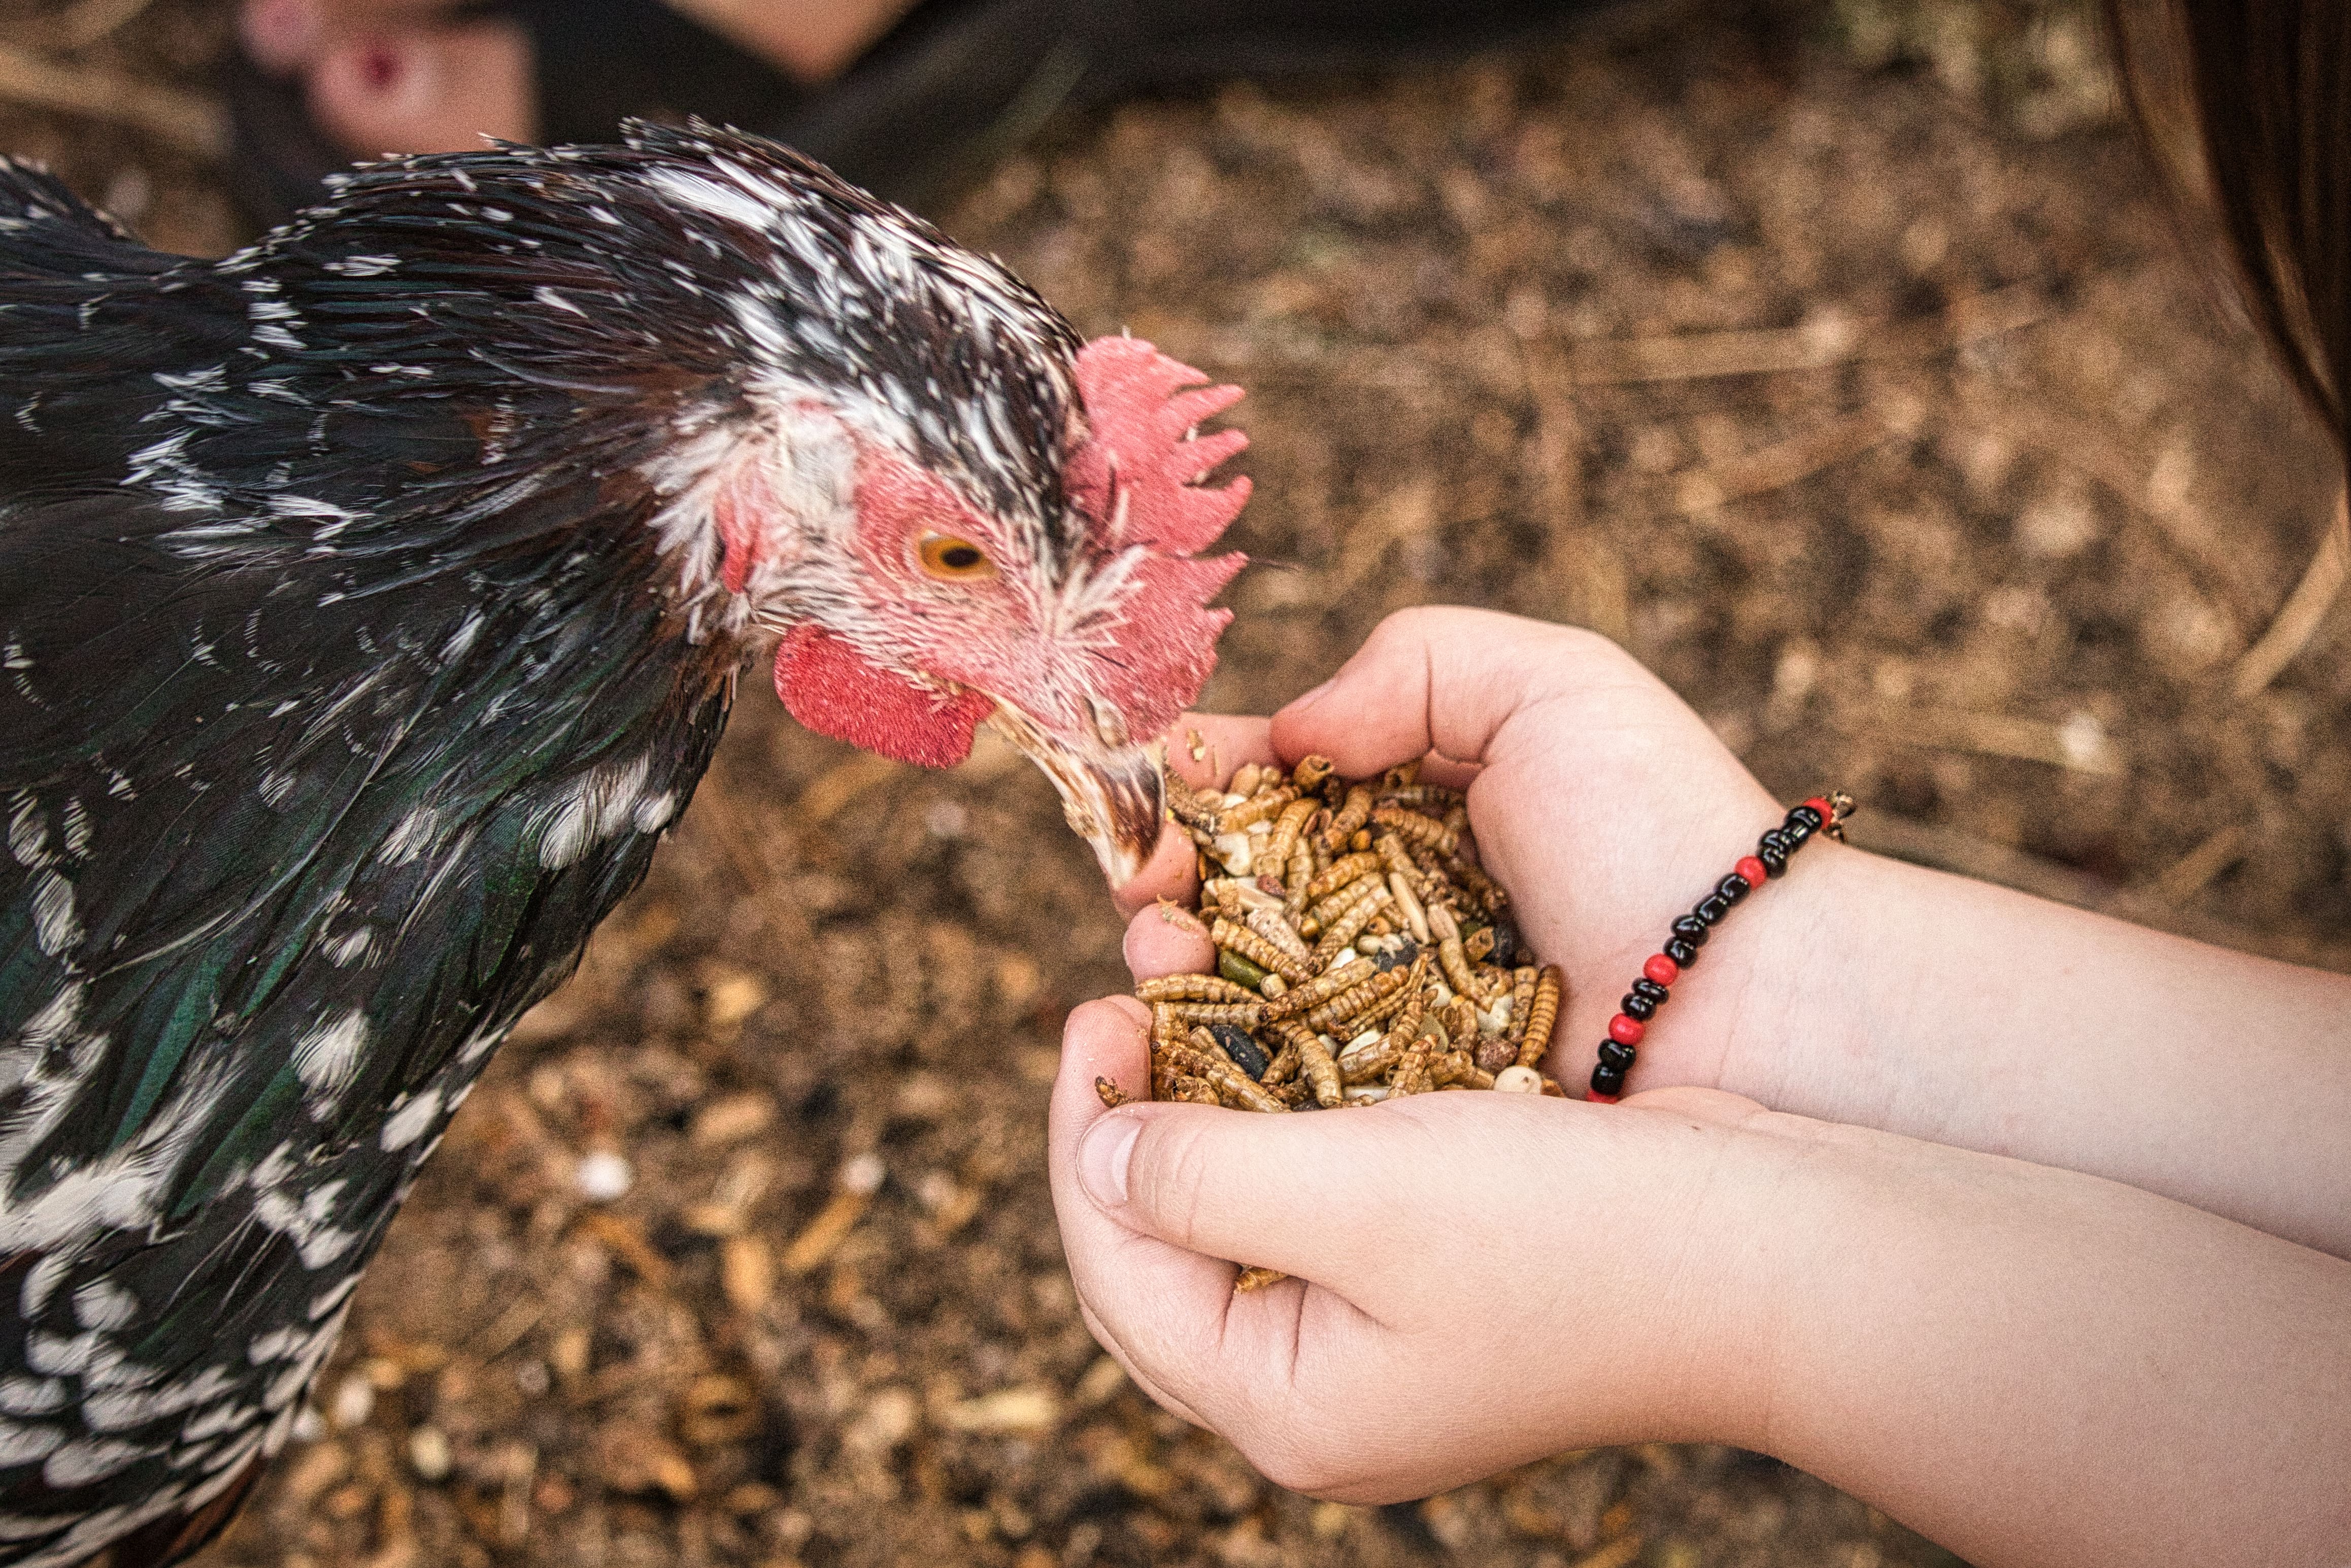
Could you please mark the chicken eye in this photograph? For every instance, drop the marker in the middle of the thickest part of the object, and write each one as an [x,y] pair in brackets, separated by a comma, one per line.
[952,560]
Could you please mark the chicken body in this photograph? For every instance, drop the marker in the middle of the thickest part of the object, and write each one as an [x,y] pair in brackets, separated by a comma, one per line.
[370,602]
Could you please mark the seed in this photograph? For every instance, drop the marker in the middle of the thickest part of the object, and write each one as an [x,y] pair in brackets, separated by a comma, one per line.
[1244,975]
[1353,814]
[1240,939]
[1419,830]
[1516,1080]
[1235,851]
[1256,1278]
[1112,1095]
[1416,918]
[1449,952]
[1194,988]
[1241,1048]
[1542,1014]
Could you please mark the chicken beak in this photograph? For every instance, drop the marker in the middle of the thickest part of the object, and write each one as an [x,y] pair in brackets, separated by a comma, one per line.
[1112,791]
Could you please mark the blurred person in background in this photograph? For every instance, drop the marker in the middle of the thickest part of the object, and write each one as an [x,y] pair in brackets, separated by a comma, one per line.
[900,96]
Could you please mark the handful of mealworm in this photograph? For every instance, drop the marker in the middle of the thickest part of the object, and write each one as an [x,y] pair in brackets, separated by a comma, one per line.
[1362,953]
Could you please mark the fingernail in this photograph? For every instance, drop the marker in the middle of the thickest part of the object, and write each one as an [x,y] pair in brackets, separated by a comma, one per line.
[1102,1158]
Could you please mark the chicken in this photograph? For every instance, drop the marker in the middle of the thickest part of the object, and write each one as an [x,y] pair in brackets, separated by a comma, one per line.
[371,601]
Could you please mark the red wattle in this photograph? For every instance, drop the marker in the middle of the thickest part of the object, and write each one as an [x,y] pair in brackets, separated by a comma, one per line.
[834,690]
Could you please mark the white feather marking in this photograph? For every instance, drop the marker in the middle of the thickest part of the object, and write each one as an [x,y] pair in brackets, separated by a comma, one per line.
[408,1123]
[103,1304]
[327,1058]
[55,925]
[410,837]
[92,1459]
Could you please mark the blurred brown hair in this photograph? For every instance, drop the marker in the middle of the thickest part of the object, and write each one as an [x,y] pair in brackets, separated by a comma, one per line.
[2248,104]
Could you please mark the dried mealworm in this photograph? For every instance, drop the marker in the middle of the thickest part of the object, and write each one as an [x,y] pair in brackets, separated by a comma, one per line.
[1110,1095]
[1411,825]
[1311,770]
[1353,814]
[1284,1065]
[1256,1278]
[1198,1090]
[1449,953]
[1419,796]
[1247,778]
[1284,842]
[1412,1068]
[1342,931]
[1523,1000]
[1256,809]
[1318,919]
[1401,775]
[1460,1016]
[1164,1025]
[1355,998]
[1193,989]
[1269,924]
[1542,1014]
[1397,858]
[1202,1057]
[1247,1015]
[1483,888]
[1240,939]
[1456,1067]
[1478,946]
[1321,987]
[1296,873]
[1322,1073]
[1187,807]
[1345,871]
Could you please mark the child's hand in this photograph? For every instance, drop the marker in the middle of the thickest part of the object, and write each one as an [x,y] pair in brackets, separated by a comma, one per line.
[1496,1277]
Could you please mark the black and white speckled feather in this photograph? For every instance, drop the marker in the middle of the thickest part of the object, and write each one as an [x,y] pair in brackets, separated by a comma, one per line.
[361,630]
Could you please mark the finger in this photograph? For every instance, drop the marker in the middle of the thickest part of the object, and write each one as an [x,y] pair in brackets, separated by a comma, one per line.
[1139,1378]
[1170,872]
[1444,680]
[1167,940]
[1159,1305]
[1203,749]
[1206,748]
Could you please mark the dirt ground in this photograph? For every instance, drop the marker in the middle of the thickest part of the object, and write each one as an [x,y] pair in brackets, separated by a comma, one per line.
[1880,413]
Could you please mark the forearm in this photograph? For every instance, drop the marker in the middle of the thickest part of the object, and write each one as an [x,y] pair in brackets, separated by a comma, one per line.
[1966,1014]
[2035,1366]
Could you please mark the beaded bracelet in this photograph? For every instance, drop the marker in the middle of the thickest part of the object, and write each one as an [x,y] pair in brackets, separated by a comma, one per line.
[1820,814]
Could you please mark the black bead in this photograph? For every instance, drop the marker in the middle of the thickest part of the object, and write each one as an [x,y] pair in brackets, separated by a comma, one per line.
[1692,930]
[1712,907]
[1682,952]
[1646,987]
[1615,1054]
[1807,819]
[1247,1054]
[1607,1080]
[1733,888]
[1772,839]
[1636,1006]
[1774,860]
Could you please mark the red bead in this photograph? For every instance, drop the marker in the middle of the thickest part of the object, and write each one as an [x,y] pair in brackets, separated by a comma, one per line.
[1752,870]
[1661,969]
[1597,1098]
[1820,804]
[1625,1031]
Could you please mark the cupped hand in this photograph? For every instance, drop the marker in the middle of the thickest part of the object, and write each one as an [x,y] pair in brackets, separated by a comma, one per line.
[1607,808]
[1477,1279]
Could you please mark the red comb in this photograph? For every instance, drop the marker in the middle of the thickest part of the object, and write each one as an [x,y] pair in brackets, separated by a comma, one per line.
[1139,475]
[1139,470]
